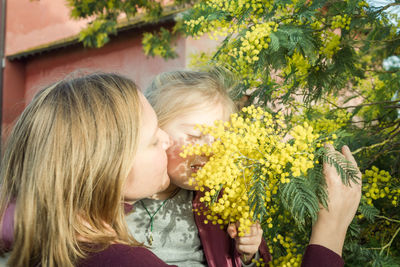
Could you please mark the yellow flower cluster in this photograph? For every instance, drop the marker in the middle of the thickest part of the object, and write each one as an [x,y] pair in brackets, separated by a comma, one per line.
[331,42]
[331,125]
[251,35]
[340,21]
[259,262]
[256,30]
[378,184]
[301,65]
[239,66]
[292,257]
[252,148]
[236,8]
[318,24]
[200,26]
[330,37]
[254,41]
[199,60]
[327,121]
[221,27]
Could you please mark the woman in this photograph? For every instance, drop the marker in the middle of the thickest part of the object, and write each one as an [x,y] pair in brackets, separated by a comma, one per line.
[80,149]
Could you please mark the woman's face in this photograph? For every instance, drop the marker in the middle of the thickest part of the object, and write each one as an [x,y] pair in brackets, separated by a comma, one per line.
[182,132]
[148,175]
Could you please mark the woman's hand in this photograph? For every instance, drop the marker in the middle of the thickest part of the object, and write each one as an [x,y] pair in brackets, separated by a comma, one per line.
[331,226]
[248,244]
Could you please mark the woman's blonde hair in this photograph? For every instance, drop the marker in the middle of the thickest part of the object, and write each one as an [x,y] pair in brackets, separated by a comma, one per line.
[65,165]
[173,93]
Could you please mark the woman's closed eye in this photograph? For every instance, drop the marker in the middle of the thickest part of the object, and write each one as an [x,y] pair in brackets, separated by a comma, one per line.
[155,143]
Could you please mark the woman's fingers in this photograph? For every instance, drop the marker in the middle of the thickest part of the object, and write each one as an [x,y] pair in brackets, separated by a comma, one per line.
[247,249]
[331,176]
[349,156]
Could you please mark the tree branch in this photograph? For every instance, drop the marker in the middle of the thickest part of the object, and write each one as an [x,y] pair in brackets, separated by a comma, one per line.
[390,242]
[369,147]
[370,104]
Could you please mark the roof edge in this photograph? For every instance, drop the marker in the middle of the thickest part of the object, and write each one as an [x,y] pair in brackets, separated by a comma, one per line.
[124,25]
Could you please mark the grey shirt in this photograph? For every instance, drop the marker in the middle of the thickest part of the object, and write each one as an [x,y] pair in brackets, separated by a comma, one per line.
[175,238]
[175,235]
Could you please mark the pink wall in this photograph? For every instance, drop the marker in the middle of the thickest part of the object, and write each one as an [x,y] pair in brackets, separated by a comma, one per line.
[13,93]
[23,78]
[123,55]
[31,23]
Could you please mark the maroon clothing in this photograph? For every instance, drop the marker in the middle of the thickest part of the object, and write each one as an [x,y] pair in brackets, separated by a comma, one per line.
[118,255]
[219,248]
[317,255]
[7,231]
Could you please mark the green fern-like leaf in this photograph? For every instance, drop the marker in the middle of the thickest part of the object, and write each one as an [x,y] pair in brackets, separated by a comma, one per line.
[300,200]
[347,171]
[256,200]
[368,211]
[318,184]
[354,229]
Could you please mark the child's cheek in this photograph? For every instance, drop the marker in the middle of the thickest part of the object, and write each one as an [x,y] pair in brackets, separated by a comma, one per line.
[177,166]
[173,152]
[176,148]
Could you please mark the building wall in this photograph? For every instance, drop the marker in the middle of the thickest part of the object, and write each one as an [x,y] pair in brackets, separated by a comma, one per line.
[123,55]
[23,78]
[32,23]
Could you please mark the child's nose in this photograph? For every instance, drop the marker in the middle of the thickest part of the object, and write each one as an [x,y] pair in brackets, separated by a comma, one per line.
[208,139]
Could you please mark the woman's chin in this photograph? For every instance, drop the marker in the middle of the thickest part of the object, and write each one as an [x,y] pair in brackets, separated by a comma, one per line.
[166,184]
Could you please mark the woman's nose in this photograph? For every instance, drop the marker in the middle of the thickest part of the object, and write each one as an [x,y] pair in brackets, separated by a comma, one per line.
[167,140]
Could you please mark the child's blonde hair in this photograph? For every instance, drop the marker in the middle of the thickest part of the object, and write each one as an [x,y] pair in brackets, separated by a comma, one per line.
[65,165]
[173,93]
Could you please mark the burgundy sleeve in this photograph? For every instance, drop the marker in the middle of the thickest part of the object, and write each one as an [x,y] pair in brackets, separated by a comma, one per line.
[118,255]
[7,231]
[264,251]
[317,255]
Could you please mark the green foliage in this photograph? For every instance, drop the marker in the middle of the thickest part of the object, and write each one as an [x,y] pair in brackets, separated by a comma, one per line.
[97,33]
[346,170]
[296,192]
[319,61]
[256,200]
[157,44]
[105,15]
[369,212]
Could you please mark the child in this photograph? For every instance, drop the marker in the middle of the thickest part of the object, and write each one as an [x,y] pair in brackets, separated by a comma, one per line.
[80,149]
[182,100]
[167,223]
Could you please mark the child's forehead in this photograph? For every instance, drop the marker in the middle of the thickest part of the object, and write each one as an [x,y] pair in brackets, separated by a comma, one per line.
[204,115]
[189,126]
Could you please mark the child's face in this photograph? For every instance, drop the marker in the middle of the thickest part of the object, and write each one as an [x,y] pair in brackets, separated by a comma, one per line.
[182,132]
[148,175]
